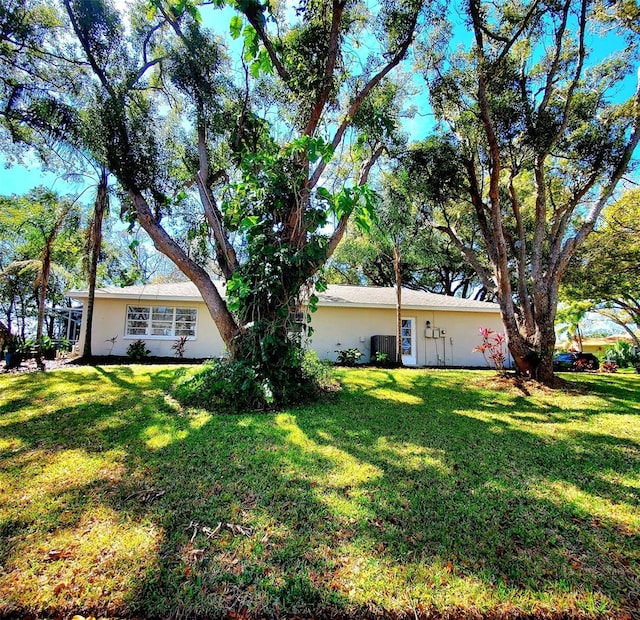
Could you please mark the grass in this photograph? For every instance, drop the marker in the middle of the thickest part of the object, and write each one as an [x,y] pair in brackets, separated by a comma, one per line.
[410,493]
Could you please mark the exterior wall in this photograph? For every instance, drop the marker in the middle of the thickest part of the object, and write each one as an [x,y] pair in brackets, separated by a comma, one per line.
[598,347]
[109,317]
[595,348]
[338,328]
[335,329]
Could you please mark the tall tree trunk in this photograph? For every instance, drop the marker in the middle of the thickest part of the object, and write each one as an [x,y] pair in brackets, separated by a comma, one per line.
[398,276]
[5,334]
[42,291]
[95,243]
[547,338]
[216,305]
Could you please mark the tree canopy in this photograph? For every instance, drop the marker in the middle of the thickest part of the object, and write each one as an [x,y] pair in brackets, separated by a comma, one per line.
[405,226]
[606,270]
[40,243]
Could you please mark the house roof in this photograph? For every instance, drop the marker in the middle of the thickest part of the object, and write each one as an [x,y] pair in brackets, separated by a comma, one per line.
[336,295]
[379,296]
[173,291]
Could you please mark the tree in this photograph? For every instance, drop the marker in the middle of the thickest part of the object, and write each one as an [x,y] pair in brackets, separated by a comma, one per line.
[41,233]
[262,184]
[92,253]
[570,315]
[605,272]
[539,148]
[429,263]
[428,259]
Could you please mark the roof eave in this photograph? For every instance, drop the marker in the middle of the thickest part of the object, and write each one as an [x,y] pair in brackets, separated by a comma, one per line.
[417,308]
[140,297]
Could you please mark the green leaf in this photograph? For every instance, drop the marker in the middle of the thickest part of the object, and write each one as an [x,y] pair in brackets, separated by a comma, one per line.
[321,285]
[192,9]
[363,221]
[266,66]
[312,153]
[151,11]
[235,27]
[254,69]
[325,194]
[251,43]
[249,222]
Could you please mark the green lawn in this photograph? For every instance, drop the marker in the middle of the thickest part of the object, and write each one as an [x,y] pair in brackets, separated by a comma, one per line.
[410,492]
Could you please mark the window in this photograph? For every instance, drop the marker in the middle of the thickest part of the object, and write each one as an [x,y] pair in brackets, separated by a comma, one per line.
[161,321]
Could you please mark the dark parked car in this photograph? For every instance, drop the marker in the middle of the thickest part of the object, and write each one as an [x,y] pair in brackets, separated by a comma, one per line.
[575,361]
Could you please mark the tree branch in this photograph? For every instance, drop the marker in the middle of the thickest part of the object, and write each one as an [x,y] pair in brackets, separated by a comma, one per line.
[362,179]
[227,258]
[332,57]
[361,96]
[100,74]
[252,17]
[574,242]
[470,256]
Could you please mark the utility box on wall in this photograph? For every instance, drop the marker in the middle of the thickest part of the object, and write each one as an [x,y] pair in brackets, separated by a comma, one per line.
[384,344]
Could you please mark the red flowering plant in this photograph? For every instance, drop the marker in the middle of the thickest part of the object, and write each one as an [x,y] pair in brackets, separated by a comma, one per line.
[492,348]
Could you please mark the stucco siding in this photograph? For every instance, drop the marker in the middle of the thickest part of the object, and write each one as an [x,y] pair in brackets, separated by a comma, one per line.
[338,328]
[109,320]
[347,317]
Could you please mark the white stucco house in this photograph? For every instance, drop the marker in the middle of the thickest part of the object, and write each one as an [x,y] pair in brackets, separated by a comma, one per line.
[437,330]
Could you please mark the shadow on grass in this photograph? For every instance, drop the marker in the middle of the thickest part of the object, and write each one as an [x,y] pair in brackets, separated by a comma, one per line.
[410,493]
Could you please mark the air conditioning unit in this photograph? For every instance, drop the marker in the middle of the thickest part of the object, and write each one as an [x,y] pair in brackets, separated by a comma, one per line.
[384,344]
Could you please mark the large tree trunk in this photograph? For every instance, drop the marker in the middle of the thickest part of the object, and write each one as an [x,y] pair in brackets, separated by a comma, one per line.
[95,245]
[525,358]
[398,276]
[547,338]
[216,305]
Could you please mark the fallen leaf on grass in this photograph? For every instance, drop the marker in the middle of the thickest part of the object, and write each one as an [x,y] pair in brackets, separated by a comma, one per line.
[60,587]
[56,554]
[239,529]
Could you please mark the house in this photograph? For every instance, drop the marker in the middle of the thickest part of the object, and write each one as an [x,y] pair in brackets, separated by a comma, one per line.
[437,330]
[597,346]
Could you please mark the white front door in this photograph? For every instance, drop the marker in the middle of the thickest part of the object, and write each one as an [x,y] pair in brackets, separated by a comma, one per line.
[409,353]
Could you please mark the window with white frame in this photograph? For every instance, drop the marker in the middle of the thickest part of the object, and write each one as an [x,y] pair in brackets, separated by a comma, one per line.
[161,321]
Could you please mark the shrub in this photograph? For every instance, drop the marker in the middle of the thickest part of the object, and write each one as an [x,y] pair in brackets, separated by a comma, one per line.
[609,367]
[230,386]
[316,372]
[348,357]
[179,346]
[382,360]
[226,386]
[492,348]
[623,354]
[138,351]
